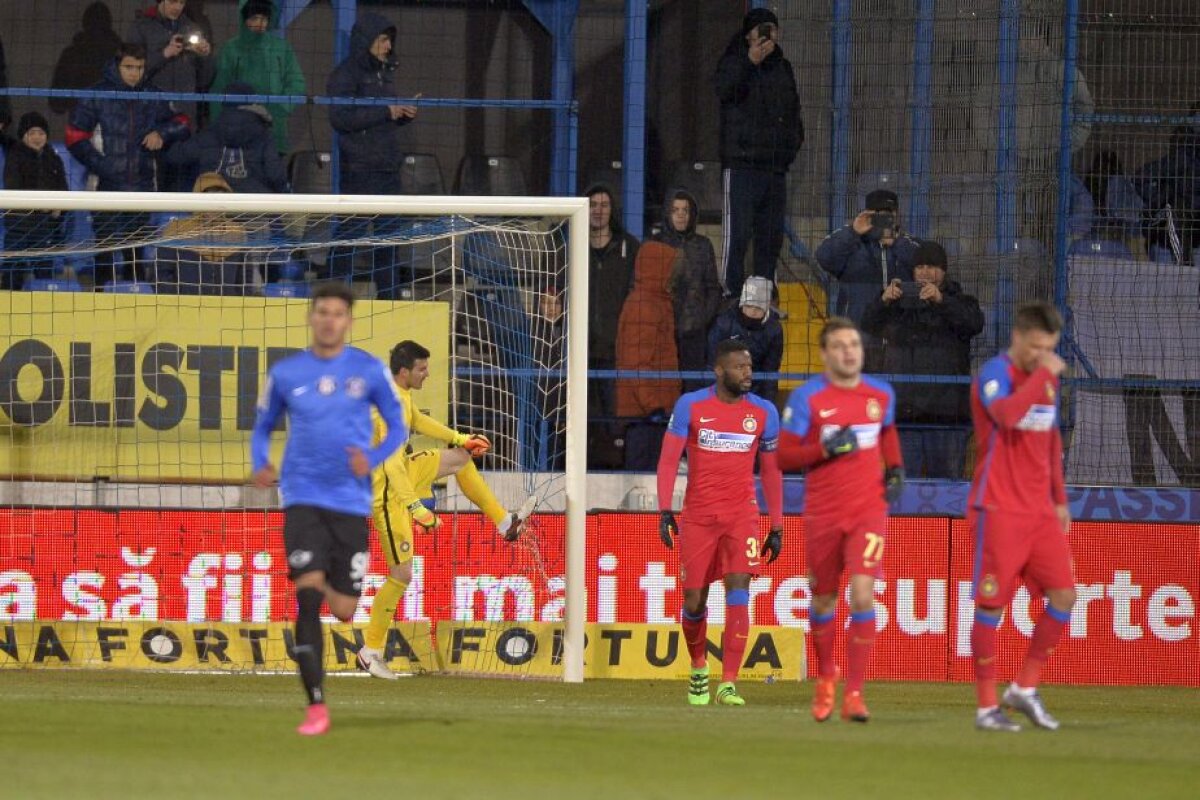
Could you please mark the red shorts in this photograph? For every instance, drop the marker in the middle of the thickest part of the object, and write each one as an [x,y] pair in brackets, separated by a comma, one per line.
[1011,546]
[712,546]
[853,544]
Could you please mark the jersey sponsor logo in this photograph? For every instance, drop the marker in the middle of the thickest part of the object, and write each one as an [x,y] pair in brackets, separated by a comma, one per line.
[356,387]
[749,424]
[867,434]
[722,442]
[1039,417]
[327,385]
[826,413]
[990,388]
[874,410]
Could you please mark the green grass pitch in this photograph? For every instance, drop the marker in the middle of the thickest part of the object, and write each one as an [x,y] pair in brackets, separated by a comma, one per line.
[133,735]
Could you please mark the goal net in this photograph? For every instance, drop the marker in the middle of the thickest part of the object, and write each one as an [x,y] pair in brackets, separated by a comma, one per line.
[135,334]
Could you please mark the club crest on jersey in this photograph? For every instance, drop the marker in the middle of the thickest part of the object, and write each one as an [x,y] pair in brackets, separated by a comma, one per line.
[356,387]
[874,410]
[1050,392]
[990,388]
[749,424]
[326,385]
[988,587]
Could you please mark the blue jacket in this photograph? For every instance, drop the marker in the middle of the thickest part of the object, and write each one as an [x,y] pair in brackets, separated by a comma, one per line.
[124,166]
[239,147]
[370,138]
[858,263]
[764,339]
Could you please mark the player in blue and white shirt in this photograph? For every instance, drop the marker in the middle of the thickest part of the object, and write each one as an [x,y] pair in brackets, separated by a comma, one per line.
[327,392]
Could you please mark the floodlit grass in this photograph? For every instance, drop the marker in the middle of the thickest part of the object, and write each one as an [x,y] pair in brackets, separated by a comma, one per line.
[97,734]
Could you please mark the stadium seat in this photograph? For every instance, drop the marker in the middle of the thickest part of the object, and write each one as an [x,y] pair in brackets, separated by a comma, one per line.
[285,290]
[311,172]
[490,175]
[704,180]
[129,287]
[53,285]
[1100,248]
[421,173]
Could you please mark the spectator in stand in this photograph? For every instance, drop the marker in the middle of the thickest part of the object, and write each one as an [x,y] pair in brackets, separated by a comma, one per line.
[646,342]
[238,147]
[30,164]
[5,106]
[82,63]
[1171,188]
[262,60]
[752,323]
[369,143]
[867,254]
[761,132]
[926,329]
[1117,206]
[695,287]
[133,134]
[547,327]
[203,254]
[610,277]
[179,57]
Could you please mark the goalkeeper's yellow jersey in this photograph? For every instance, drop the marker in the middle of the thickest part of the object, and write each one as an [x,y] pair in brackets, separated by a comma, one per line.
[393,473]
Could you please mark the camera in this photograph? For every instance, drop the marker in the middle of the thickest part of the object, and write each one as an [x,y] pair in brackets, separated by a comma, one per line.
[765,29]
[883,221]
[910,289]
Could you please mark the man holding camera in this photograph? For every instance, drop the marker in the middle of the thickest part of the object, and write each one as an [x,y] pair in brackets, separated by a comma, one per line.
[179,58]
[866,255]
[925,328]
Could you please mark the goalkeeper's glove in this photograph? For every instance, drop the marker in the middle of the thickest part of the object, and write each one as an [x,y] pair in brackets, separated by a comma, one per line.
[841,442]
[423,516]
[893,484]
[667,529]
[772,544]
[474,443]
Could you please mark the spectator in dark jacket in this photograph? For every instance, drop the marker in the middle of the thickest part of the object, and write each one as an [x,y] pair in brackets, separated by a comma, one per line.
[30,164]
[761,132]
[369,143]
[753,323]
[238,146]
[1171,188]
[82,63]
[179,57]
[929,333]
[203,252]
[5,106]
[610,278]
[695,287]
[132,134]
[865,257]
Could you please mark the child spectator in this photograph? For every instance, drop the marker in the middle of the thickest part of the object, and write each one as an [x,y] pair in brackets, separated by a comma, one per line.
[32,165]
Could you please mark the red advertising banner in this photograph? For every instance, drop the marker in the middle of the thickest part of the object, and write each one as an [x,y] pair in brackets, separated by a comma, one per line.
[1135,622]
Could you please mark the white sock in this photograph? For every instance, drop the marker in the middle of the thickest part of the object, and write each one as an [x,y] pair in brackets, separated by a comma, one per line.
[1023,691]
[980,713]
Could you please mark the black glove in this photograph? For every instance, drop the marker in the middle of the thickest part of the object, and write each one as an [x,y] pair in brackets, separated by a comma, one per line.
[667,529]
[841,443]
[893,484]
[772,544]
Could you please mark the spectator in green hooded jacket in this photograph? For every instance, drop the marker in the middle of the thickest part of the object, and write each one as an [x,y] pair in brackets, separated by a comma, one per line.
[262,60]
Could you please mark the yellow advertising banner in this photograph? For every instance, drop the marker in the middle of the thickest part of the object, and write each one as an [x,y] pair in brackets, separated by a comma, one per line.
[146,387]
[232,646]
[637,651]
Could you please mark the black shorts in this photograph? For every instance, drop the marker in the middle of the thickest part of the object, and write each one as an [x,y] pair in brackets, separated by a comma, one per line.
[320,540]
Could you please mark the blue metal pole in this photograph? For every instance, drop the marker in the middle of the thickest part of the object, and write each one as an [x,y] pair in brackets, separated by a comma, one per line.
[839,177]
[634,149]
[922,120]
[562,182]
[345,12]
[288,11]
[1070,56]
[1006,164]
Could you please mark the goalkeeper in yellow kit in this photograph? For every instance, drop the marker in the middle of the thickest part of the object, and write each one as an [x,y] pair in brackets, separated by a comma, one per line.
[400,483]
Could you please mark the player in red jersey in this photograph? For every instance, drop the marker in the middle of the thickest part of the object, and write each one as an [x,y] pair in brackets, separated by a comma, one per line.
[722,427]
[1018,510]
[840,427]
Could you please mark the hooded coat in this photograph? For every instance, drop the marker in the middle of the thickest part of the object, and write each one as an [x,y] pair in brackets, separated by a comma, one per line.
[1174,180]
[695,286]
[124,165]
[370,138]
[858,262]
[202,253]
[646,334]
[267,63]
[610,277]
[187,72]
[760,110]
[238,147]
[81,63]
[922,338]
[28,170]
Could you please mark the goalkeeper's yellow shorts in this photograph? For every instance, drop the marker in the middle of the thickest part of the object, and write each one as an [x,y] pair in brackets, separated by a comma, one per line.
[392,520]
